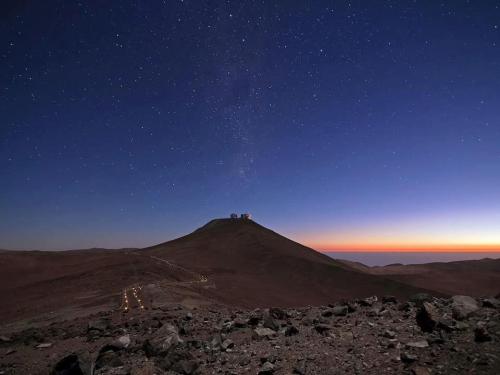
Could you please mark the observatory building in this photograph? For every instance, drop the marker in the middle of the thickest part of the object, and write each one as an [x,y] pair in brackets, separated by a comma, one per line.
[245,216]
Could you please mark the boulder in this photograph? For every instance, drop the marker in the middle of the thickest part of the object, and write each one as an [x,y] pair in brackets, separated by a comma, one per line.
[164,339]
[340,310]
[427,317]
[69,365]
[463,306]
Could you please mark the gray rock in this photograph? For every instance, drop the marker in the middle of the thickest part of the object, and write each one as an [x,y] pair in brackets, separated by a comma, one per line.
[164,339]
[368,301]
[108,358]
[340,310]
[101,324]
[427,317]
[408,357]
[266,369]
[260,332]
[418,344]
[122,342]
[463,306]
[269,322]
[389,334]
[227,344]
[492,303]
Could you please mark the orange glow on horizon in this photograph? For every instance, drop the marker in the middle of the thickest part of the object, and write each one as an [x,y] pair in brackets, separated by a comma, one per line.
[405,247]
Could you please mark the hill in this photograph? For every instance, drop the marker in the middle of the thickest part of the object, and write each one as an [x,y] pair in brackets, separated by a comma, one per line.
[253,266]
[470,277]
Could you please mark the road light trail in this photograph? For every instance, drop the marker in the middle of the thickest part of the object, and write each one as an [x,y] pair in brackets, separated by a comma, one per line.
[135,289]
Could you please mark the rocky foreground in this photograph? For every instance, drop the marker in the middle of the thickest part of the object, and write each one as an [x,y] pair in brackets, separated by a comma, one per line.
[425,335]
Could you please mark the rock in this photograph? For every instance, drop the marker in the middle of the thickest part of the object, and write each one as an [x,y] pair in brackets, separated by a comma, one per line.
[481,334]
[419,298]
[148,368]
[189,316]
[408,357]
[186,367]
[417,344]
[227,326]
[389,334]
[461,326]
[164,339]
[101,324]
[44,345]
[404,306]
[421,371]
[492,303]
[122,342]
[5,339]
[216,342]
[179,360]
[340,310]
[260,332]
[227,344]
[368,301]
[427,317]
[277,313]
[300,367]
[463,306]
[69,365]
[269,322]
[389,299]
[291,330]
[266,369]
[108,358]
[322,328]
[447,325]
[327,313]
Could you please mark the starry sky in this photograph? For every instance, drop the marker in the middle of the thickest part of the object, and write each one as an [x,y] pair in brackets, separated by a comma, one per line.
[345,125]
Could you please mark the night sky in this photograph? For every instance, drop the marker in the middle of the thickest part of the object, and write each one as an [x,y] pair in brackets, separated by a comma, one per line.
[363,124]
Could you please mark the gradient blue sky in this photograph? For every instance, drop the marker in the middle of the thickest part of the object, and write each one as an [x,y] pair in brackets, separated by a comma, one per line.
[339,124]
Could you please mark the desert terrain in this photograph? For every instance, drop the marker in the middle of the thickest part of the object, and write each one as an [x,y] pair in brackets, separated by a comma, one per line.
[235,297]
